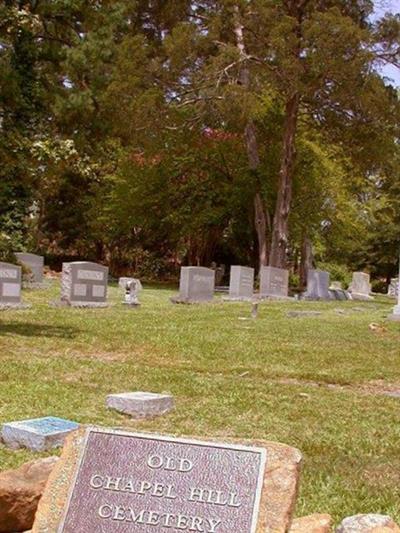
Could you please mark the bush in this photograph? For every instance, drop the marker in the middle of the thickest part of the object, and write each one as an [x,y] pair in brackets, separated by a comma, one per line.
[337,273]
[379,286]
[7,249]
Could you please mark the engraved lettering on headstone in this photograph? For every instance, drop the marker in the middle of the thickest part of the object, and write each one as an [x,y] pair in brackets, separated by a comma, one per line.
[90,275]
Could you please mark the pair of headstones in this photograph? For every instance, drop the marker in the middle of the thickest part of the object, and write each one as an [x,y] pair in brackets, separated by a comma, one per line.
[274,283]
[197,284]
[319,288]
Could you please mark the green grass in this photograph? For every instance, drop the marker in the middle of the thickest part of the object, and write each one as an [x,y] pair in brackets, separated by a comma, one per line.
[269,378]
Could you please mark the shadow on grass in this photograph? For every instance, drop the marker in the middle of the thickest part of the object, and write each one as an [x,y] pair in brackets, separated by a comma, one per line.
[38,330]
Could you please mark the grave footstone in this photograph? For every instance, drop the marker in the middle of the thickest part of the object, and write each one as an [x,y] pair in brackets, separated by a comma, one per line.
[196,285]
[241,284]
[317,285]
[360,287]
[35,263]
[38,434]
[141,404]
[143,482]
[84,284]
[274,282]
[10,286]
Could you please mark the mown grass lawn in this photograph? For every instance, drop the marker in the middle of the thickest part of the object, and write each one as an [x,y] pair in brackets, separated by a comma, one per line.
[315,383]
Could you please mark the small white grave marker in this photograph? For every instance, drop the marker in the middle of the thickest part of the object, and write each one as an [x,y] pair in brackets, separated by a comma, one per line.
[141,404]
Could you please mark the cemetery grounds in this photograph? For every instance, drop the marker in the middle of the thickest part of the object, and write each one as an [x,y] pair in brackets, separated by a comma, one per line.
[325,384]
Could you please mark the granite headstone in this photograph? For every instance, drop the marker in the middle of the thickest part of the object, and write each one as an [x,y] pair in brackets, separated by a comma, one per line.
[196,285]
[84,284]
[241,284]
[360,287]
[35,263]
[274,282]
[10,285]
[317,285]
[393,289]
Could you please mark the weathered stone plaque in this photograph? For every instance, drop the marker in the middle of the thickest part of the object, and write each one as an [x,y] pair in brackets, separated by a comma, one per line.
[274,282]
[317,285]
[132,482]
[84,284]
[35,263]
[241,284]
[112,481]
[360,287]
[196,284]
[10,284]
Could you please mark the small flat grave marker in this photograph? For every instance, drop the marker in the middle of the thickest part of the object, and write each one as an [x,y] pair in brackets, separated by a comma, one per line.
[84,284]
[141,404]
[274,282]
[38,434]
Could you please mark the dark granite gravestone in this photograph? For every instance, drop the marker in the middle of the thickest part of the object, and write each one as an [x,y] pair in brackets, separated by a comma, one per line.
[84,284]
[241,284]
[10,285]
[35,263]
[274,282]
[317,285]
[196,285]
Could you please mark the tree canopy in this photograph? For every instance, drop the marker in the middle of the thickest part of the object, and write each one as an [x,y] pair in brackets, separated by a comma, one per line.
[150,134]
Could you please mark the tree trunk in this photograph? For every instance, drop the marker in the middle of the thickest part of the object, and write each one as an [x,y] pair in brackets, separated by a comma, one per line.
[307,260]
[280,232]
[260,216]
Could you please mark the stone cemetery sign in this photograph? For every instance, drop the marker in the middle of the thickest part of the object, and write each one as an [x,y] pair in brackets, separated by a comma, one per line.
[10,285]
[35,263]
[117,482]
[360,287]
[84,284]
[241,285]
[38,434]
[196,285]
[317,285]
[149,483]
[274,282]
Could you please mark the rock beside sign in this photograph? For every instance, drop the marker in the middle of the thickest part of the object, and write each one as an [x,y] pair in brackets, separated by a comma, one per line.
[315,523]
[278,497]
[20,492]
[368,523]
